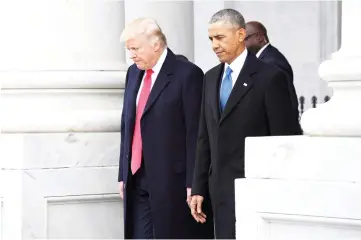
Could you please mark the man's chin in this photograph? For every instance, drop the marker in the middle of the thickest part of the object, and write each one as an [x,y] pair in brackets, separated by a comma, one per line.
[221,59]
[140,66]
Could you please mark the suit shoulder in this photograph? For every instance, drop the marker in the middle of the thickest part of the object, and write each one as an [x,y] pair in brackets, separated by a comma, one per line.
[267,71]
[184,65]
[275,57]
[263,66]
[132,68]
[188,64]
[274,52]
[214,70]
[131,73]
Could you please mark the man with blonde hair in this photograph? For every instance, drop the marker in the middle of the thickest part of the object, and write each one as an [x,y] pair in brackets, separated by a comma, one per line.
[158,137]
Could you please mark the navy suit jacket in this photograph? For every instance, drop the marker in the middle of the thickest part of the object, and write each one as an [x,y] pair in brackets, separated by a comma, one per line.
[169,128]
[273,56]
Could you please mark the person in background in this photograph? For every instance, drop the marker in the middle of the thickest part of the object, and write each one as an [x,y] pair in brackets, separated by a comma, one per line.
[257,42]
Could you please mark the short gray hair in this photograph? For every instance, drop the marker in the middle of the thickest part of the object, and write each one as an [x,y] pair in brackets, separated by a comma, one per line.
[229,15]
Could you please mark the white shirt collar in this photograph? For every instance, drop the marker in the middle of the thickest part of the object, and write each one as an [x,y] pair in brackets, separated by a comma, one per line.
[158,65]
[236,66]
[261,50]
[156,69]
[238,63]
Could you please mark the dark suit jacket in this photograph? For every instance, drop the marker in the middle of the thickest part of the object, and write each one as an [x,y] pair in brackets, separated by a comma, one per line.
[272,56]
[259,105]
[169,128]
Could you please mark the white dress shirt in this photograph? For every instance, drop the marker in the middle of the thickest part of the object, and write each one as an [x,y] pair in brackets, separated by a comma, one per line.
[156,70]
[261,50]
[236,66]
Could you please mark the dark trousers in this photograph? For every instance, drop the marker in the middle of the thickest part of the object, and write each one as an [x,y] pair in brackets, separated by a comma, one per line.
[141,211]
[223,215]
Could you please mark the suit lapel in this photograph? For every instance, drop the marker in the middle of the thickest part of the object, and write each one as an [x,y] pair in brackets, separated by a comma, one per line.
[265,51]
[241,87]
[135,85]
[162,80]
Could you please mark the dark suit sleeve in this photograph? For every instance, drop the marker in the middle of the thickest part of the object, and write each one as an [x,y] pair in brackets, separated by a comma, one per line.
[192,97]
[203,156]
[122,127]
[282,116]
[282,63]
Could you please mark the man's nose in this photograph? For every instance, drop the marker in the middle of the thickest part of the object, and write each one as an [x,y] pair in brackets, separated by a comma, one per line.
[132,55]
[215,45]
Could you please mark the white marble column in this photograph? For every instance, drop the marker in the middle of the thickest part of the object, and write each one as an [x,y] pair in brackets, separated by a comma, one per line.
[308,187]
[62,66]
[204,56]
[61,35]
[174,17]
[62,71]
[341,116]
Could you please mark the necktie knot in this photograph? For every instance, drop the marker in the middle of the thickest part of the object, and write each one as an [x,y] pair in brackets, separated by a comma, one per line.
[149,72]
[229,71]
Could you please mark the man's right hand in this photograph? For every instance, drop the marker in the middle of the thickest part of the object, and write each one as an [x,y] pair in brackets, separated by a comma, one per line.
[121,189]
[196,209]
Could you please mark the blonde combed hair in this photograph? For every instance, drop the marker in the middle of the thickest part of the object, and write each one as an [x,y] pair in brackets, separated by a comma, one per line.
[144,26]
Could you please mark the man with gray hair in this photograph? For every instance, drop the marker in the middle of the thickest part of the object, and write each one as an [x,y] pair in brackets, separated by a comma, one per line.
[242,97]
[159,128]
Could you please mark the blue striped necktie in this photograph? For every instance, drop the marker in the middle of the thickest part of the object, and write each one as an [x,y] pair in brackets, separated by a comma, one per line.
[226,88]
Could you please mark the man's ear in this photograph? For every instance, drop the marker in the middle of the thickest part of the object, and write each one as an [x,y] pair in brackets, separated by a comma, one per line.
[242,34]
[156,46]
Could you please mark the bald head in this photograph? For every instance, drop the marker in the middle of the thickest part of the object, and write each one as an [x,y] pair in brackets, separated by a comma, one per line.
[256,36]
[255,26]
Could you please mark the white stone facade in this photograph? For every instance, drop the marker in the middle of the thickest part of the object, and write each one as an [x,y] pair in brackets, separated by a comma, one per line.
[62,71]
[308,187]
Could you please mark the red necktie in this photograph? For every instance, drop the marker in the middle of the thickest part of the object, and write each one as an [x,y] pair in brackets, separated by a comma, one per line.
[137,138]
